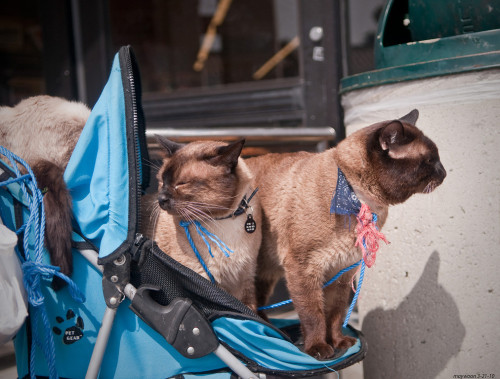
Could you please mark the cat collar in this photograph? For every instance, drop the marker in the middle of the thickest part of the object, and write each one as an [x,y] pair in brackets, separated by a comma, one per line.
[250,224]
[242,208]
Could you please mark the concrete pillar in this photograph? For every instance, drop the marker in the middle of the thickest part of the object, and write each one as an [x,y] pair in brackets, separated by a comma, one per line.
[430,306]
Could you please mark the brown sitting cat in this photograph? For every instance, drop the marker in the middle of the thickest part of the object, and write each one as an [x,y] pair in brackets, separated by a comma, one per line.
[43,130]
[384,164]
[205,191]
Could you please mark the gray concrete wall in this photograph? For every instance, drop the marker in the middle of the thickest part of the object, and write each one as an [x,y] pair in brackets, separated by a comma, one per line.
[430,306]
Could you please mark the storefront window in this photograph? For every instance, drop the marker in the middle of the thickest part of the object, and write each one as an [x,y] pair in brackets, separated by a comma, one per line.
[204,43]
[21,49]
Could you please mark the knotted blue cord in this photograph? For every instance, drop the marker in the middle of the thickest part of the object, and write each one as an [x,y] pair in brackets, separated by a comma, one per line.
[221,245]
[204,234]
[31,270]
[34,270]
[185,225]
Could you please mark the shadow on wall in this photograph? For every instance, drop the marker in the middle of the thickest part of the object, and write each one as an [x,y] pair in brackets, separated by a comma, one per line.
[417,339]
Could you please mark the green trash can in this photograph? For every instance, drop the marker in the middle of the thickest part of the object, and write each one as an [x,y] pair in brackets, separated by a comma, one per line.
[427,306]
[426,38]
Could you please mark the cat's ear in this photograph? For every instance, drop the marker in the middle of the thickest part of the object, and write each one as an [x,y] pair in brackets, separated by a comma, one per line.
[411,118]
[170,146]
[228,155]
[391,135]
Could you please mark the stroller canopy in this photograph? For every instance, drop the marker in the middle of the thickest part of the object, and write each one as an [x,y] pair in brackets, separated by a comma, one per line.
[105,172]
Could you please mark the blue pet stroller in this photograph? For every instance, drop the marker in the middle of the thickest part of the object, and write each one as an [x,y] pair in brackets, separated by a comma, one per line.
[129,310]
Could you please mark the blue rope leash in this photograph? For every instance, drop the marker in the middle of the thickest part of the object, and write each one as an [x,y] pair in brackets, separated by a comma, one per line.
[343,271]
[356,294]
[15,180]
[358,287]
[204,234]
[361,276]
[34,270]
[221,245]
[185,225]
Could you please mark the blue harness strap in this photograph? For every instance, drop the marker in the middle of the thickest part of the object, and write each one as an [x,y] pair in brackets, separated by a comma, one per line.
[34,270]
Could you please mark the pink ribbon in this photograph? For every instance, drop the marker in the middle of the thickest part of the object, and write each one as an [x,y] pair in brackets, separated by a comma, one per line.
[368,235]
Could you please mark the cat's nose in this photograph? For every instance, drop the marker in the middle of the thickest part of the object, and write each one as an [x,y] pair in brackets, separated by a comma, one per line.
[440,170]
[164,201]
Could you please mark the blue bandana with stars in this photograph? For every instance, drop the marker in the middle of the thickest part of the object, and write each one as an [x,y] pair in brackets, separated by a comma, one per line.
[345,201]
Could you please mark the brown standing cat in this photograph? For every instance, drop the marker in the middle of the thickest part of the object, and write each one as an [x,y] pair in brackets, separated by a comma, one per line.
[385,164]
[43,130]
[205,183]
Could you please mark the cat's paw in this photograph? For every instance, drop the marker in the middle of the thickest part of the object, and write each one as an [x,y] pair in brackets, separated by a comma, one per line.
[321,351]
[343,342]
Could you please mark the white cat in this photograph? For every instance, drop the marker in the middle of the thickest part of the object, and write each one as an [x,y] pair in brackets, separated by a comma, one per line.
[43,130]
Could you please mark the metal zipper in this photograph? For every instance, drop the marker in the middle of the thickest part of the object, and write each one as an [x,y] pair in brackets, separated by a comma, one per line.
[135,117]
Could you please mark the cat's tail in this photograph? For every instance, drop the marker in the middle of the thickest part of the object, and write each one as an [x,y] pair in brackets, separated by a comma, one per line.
[57,203]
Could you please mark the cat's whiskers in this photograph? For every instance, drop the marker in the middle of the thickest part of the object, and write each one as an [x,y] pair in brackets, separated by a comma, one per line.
[199,214]
[429,187]
[229,195]
[202,211]
[206,205]
[191,216]
[185,215]
[154,216]
[152,206]
[152,164]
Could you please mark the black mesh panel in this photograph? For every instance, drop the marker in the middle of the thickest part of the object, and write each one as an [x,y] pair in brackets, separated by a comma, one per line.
[176,280]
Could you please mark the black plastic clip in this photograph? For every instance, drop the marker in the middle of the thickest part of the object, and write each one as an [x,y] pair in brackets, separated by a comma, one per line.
[180,323]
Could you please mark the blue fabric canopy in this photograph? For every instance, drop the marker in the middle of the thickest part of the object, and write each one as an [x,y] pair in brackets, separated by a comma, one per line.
[98,172]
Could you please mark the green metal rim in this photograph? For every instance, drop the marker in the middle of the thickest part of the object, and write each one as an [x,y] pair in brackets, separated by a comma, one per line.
[420,70]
